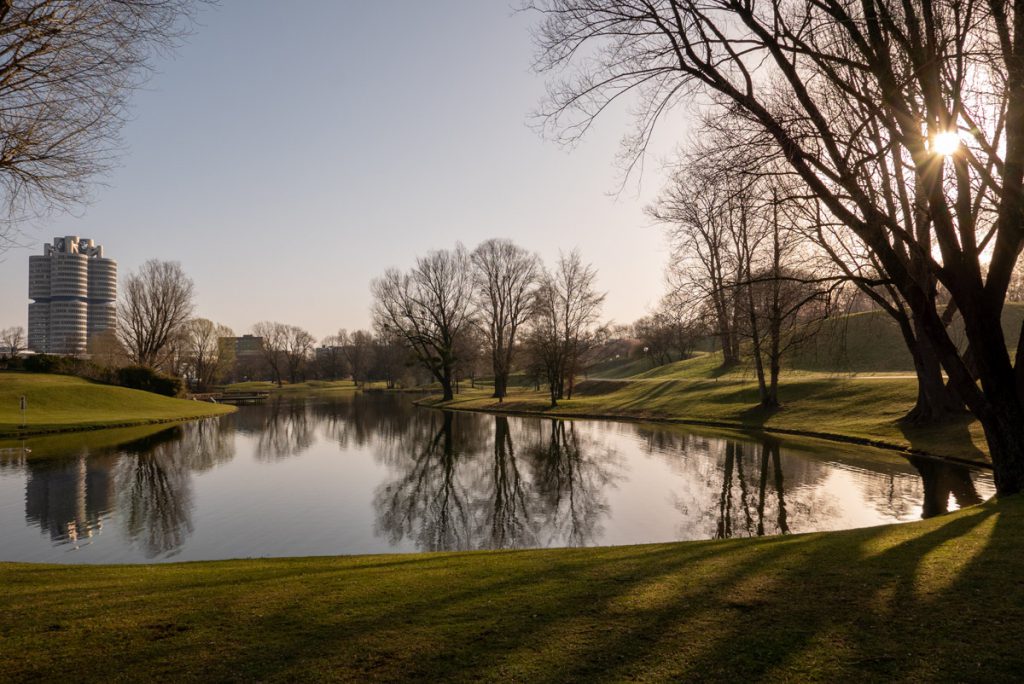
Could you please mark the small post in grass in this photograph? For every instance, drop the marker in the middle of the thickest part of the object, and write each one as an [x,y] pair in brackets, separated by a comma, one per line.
[24,407]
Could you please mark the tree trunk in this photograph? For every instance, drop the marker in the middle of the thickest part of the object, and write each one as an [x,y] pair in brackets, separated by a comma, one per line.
[755,339]
[935,400]
[447,388]
[1004,430]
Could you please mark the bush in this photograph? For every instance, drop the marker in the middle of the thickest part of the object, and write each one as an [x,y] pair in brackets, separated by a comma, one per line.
[132,377]
[148,380]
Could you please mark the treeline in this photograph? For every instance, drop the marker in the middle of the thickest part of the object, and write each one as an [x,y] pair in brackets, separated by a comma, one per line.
[498,302]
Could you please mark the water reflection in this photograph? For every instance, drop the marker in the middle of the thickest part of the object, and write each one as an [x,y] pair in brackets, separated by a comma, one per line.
[145,481]
[68,503]
[155,493]
[385,475]
[942,481]
[451,494]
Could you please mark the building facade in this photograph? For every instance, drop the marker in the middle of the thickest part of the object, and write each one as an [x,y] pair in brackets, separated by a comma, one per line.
[73,289]
[246,353]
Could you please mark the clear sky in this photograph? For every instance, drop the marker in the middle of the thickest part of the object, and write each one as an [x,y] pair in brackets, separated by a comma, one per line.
[290,152]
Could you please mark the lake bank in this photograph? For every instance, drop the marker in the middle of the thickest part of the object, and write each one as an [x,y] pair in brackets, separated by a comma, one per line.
[916,601]
[63,403]
[855,410]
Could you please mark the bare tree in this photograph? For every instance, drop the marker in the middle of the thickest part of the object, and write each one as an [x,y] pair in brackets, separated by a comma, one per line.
[156,302]
[505,275]
[67,70]
[272,349]
[703,268]
[285,349]
[429,308]
[12,340]
[331,363]
[206,361]
[565,310]
[298,345]
[668,333]
[928,175]
[358,348]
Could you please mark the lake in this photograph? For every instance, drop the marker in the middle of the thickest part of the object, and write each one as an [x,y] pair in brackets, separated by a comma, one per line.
[372,473]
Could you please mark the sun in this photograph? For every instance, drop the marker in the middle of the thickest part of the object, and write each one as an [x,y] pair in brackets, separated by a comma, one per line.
[946,143]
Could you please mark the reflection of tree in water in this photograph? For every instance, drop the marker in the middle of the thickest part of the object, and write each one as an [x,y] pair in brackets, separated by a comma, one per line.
[427,502]
[741,513]
[570,483]
[154,482]
[207,443]
[941,480]
[507,520]
[895,494]
[363,418]
[461,486]
[155,494]
[286,429]
[771,455]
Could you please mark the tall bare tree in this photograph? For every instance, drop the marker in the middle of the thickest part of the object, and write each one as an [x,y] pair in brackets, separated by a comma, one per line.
[358,348]
[703,269]
[565,310]
[285,349]
[156,301]
[429,308]
[67,70]
[504,276]
[928,178]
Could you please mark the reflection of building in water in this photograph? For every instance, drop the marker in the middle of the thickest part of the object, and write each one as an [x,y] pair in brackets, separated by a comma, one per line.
[69,499]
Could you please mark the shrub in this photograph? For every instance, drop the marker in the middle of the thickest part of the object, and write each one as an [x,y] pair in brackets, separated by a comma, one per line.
[148,380]
[132,377]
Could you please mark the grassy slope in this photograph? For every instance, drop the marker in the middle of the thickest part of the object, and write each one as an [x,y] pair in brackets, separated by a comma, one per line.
[62,402]
[859,408]
[936,599]
[871,342]
[819,394]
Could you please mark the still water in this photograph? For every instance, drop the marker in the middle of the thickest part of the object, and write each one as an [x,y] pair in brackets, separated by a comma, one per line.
[372,473]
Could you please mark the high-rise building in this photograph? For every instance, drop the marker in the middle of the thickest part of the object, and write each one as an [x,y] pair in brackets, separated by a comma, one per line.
[74,292]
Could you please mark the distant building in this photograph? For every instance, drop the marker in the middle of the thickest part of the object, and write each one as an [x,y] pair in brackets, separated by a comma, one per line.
[74,292]
[247,352]
[246,346]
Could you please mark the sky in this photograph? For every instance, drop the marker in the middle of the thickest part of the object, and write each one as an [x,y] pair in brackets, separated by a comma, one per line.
[288,153]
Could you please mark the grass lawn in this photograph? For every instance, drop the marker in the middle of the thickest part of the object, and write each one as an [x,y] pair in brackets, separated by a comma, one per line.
[63,402]
[863,408]
[267,386]
[938,599]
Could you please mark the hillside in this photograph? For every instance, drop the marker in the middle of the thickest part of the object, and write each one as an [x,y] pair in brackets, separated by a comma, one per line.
[858,343]
[871,343]
[62,402]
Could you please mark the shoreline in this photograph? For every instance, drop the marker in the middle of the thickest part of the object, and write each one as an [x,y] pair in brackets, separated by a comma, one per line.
[903,450]
[93,427]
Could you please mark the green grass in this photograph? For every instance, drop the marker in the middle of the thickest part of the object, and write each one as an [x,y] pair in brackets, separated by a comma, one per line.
[858,409]
[871,343]
[932,600]
[62,402]
[308,385]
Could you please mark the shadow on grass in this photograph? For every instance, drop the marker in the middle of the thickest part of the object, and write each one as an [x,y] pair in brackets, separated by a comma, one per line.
[933,600]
